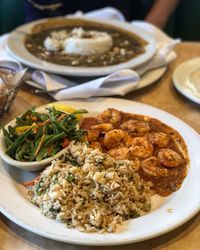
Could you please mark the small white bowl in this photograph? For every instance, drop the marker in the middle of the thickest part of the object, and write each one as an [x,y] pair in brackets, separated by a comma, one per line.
[29,166]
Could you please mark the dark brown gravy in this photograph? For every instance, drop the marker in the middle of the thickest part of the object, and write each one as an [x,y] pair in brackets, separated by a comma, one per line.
[125,47]
[164,185]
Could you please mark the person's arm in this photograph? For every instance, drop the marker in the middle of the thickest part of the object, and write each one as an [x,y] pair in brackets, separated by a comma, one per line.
[161,11]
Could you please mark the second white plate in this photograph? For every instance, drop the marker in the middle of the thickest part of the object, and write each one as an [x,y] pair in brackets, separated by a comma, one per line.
[186,79]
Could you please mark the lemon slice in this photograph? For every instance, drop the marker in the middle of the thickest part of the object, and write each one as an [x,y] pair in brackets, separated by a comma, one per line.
[64,107]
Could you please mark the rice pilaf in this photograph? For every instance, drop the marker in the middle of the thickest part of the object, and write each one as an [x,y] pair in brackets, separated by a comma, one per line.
[91,191]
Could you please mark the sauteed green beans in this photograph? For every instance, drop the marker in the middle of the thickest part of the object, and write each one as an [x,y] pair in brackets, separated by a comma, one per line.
[37,136]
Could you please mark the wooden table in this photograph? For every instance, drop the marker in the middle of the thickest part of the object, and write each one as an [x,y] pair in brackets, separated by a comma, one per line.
[163,95]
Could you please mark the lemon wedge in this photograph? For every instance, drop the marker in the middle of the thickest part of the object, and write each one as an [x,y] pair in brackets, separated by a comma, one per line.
[63,107]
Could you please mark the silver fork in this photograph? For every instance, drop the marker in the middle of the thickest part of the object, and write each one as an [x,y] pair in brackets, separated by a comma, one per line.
[41,91]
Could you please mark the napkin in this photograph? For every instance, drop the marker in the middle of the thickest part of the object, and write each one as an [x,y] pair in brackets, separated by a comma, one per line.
[118,83]
[103,13]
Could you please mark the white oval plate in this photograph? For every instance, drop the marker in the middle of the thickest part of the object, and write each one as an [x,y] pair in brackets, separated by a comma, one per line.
[186,79]
[21,54]
[182,204]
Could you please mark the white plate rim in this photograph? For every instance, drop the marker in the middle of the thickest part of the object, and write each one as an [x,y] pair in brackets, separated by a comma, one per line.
[169,225]
[150,77]
[178,83]
[21,54]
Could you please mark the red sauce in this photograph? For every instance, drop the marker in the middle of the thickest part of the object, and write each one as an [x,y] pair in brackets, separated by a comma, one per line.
[162,185]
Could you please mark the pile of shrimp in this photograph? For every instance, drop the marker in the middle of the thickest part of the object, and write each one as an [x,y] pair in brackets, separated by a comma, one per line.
[128,136]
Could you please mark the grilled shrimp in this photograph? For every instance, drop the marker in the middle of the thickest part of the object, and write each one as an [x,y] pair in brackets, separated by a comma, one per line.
[135,127]
[114,138]
[112,116]
[159,139]
[151,167]
[140,147]
[103,127]
[119,153]
[92,135]
[169,158]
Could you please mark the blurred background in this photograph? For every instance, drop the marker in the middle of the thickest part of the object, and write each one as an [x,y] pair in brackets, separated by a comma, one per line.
[184,22]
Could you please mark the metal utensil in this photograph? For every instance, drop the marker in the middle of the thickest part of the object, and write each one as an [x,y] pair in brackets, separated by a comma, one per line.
[157,62]
[41,91]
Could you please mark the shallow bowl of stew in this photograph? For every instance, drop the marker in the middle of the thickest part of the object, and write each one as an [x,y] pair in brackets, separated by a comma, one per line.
[131,47]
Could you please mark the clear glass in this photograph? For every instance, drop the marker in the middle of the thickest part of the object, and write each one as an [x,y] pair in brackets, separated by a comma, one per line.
[7,95]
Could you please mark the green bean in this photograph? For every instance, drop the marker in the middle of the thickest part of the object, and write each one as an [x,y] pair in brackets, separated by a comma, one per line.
[44,149]
[48,129]
[23,147]
[18,141]
[5,132]
[20,155]
[8,141]
[20,121]
[55,138]
[32,155]
[39,134]
[47,138]
[57,124]
[70,125]
[39,116]
[12,134]
[79,112]
[11,130]
[42,154]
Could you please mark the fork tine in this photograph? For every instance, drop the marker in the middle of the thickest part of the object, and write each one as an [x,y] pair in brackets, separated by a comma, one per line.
[41,91]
